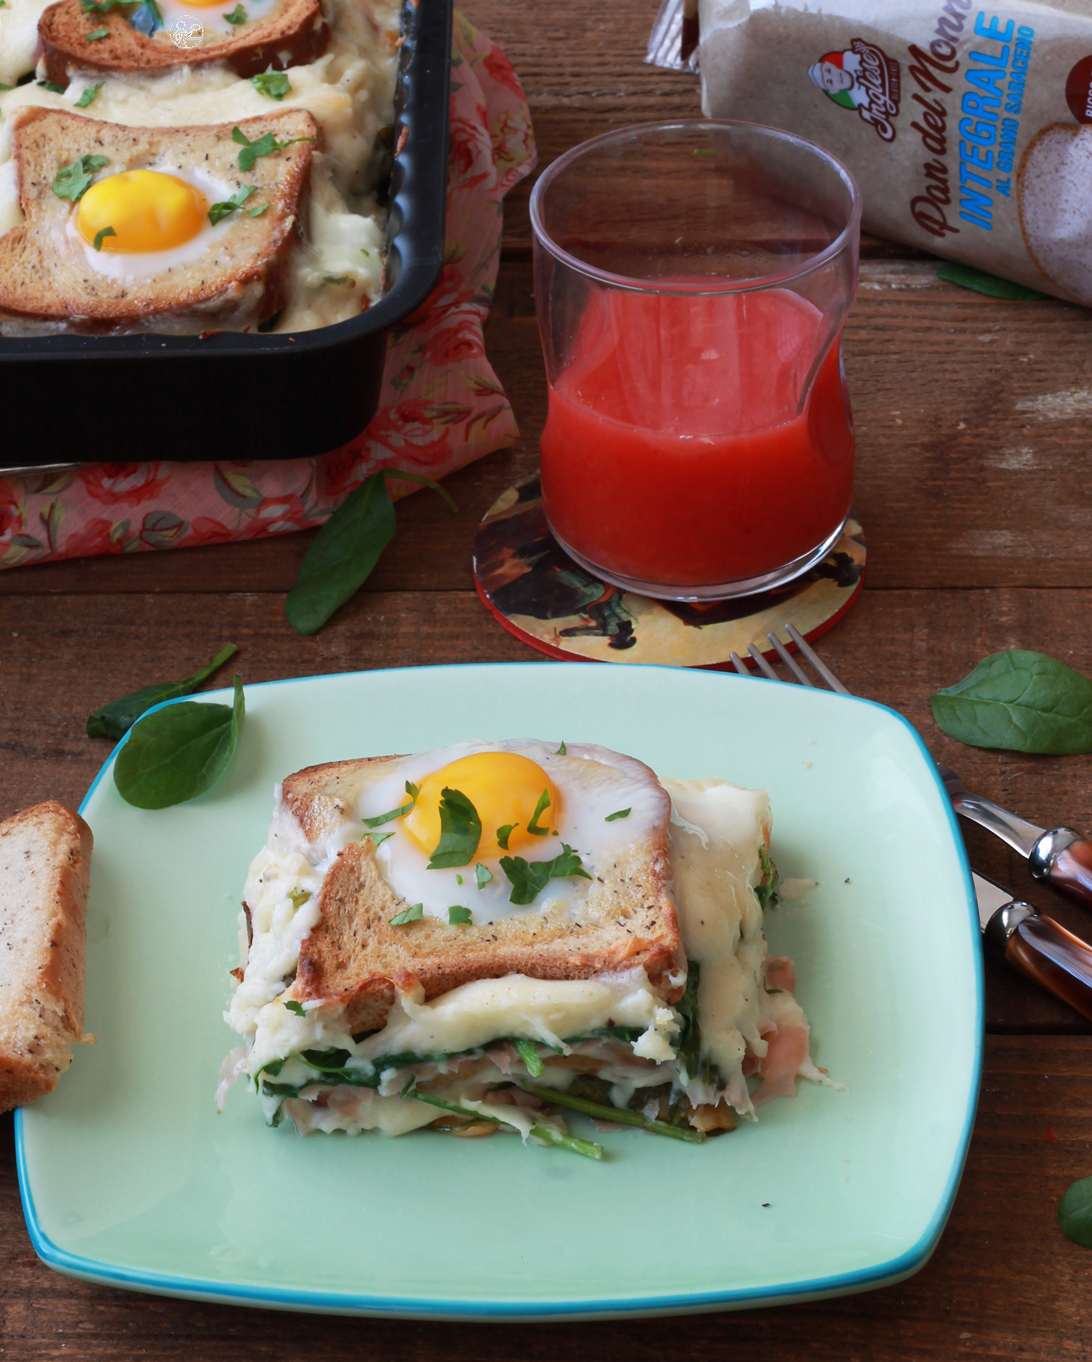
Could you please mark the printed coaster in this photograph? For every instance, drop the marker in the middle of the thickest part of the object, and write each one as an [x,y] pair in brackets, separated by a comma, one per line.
[536,591]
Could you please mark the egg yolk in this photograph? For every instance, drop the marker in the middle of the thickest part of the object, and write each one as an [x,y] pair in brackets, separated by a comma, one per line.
[504,788]
[148,210]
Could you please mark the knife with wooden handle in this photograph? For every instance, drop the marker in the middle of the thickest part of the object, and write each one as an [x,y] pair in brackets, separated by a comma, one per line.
[1059,857]
[1035,945]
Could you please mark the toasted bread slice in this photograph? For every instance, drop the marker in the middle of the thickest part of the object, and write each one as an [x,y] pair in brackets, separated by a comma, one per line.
[45,864]
[294,34]
[355,959]
[238,279]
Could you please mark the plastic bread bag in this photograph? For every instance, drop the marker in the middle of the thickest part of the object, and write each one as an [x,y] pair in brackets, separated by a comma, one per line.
[968,126]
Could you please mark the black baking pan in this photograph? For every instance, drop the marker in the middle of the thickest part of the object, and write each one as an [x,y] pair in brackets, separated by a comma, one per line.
[122,399]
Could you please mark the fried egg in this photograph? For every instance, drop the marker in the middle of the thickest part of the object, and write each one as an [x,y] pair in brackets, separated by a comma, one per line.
[212,14]
[147,221]
[532,800]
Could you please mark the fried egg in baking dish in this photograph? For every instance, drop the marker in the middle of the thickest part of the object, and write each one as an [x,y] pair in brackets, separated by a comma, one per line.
[147,221]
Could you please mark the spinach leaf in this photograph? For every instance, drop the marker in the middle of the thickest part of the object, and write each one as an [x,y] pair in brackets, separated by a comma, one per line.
[1075,1213]
[414,914]
[1020,701]
[325,1060]
[458,916]
[989,284]
[529,878]
[343,553]
[530,1056]
[178,752]
[460,831]
[621,1115]
[115,719]
[766,888]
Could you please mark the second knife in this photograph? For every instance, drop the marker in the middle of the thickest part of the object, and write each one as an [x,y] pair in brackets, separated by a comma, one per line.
[1059,857]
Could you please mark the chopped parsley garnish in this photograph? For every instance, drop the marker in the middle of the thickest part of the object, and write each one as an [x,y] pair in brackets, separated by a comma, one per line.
[458,879]
[270,323]
[766,889]
[483,875]
[412,790]
[414,914]
[275,84]
[73,181]
[100,237]
[257,212]
[620,813]
[52,87]
[529,878]
[542,805]
[101,6]
[237,15]
[265,145]
[364,252]
[335,278]
[458,916]
[298,897]
[460,831]
[295,1007]
[378,837]
[504,833]
[219,211]
[561,750]
[89,95]
[96,35]
[530,1056]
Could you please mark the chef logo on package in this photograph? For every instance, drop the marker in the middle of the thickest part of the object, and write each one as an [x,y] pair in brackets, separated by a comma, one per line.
[865,78]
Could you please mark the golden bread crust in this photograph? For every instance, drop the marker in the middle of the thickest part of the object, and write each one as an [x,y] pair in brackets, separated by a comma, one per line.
[294,35]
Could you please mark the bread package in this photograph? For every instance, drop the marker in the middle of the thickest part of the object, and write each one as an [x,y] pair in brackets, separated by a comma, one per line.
[967,126]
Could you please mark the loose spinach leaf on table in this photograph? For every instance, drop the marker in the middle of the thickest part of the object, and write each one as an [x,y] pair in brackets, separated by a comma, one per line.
[343,553]
[115,719]
[178,752]
[1020,701]
[981,282]
[1075,1212]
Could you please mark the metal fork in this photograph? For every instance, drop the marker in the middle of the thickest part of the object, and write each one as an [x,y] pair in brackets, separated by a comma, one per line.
[805,649]
[1035,945]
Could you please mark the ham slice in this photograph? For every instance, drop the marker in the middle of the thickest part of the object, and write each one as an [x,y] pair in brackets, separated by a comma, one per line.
[787,1053]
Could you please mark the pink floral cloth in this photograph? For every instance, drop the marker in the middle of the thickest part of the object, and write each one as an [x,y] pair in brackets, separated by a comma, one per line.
[441,405]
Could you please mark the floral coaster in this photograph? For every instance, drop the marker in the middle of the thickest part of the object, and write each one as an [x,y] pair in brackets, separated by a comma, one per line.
[541,596]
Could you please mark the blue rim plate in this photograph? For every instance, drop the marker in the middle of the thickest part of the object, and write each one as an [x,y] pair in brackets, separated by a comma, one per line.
[130,1178]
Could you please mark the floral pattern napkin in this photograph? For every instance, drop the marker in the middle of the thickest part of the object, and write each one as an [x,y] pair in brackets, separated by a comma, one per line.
[441,405]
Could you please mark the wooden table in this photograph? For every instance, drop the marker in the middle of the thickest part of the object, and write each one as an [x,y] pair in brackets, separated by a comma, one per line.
[972,420]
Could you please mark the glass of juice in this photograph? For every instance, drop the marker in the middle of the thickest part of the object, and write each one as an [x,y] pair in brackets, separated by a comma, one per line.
[691,282]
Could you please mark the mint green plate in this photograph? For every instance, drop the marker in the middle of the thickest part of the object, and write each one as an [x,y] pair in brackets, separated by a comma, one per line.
[130,1178]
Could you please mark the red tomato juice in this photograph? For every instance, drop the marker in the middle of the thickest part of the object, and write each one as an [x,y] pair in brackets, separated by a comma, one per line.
[681,447]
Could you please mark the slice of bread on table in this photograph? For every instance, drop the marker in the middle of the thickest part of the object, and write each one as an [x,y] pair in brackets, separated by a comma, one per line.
[240,279]
[355,959]
[45,865]
[294,34]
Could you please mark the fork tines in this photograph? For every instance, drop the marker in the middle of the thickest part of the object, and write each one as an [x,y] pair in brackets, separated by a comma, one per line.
[806,651]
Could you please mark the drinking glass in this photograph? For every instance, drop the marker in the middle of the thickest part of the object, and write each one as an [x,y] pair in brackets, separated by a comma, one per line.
[691,282]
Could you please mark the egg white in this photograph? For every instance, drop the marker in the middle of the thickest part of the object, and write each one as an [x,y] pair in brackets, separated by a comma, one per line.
[592,783]
[142,265]
[211,17]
